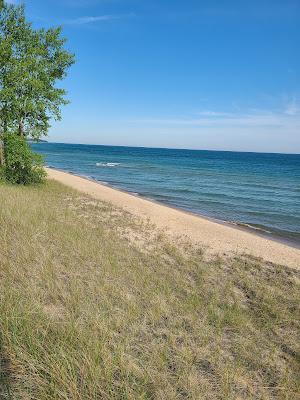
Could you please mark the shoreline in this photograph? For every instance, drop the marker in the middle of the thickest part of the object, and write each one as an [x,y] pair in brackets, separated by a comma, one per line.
[220,237]
[236,225]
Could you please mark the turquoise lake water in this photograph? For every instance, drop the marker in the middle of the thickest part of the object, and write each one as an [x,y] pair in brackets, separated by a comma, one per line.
[258,190]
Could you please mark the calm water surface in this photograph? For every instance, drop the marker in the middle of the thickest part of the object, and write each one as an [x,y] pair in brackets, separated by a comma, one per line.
[255,189]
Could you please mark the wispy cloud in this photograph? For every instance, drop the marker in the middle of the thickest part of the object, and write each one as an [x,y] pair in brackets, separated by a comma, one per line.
[98,18]
[85,3]
[208,113]
[292,108]
[290,117]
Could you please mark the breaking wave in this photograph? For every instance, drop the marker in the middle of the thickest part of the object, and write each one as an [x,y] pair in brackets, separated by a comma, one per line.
[107,164]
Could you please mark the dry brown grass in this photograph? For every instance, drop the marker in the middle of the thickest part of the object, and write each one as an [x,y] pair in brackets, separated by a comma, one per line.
[95,304]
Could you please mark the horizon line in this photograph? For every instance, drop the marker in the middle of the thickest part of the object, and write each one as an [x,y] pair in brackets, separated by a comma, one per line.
[168,148]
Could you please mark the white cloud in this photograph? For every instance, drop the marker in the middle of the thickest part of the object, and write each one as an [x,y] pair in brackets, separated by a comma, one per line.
[214,114]
[289,118]
[98,18]
[266,130]
[292,108]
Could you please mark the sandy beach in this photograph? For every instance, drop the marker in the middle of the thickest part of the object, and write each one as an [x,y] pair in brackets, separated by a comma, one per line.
[216,237]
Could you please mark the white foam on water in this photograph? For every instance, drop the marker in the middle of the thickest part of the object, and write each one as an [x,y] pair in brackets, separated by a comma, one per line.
[253,227]
[107,164]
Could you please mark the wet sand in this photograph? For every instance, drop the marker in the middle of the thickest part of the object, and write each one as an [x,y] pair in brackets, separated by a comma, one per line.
[222,239]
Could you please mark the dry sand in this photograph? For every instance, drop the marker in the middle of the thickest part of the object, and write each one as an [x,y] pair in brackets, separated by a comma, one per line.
[216,237]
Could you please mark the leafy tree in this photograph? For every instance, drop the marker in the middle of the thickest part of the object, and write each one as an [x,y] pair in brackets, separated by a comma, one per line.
[32,61]
[22,165]
[1,141]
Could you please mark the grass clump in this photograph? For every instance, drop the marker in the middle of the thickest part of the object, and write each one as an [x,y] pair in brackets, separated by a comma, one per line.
[96,304]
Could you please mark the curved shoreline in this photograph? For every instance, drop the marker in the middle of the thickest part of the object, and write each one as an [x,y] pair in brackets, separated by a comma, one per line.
[236,225]
[220,237]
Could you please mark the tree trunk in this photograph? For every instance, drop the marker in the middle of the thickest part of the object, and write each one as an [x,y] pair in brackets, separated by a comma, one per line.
[2,157]
[4,131]
[21,128]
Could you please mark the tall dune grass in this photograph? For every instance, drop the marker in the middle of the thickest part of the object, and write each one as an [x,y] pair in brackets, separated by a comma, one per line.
[96,304]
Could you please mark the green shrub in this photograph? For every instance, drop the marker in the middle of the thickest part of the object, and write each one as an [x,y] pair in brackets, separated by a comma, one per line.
[22,165]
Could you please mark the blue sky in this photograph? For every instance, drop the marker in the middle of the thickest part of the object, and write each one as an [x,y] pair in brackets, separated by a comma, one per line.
[221,75]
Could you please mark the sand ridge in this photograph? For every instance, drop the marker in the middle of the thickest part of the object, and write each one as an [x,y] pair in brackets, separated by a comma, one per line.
[218,238]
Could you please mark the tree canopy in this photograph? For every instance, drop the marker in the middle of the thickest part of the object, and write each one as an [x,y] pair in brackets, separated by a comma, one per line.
[32,61]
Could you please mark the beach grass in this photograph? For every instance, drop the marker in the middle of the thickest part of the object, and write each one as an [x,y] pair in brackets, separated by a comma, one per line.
[97,304]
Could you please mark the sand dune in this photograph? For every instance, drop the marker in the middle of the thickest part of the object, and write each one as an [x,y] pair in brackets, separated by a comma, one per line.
[218,238]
